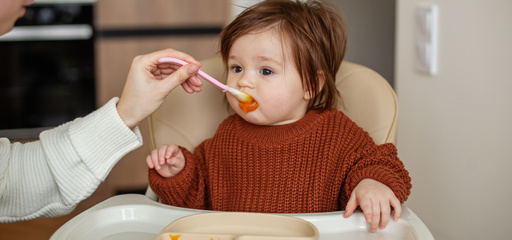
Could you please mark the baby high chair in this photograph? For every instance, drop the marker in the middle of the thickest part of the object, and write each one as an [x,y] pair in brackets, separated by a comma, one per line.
[188,119]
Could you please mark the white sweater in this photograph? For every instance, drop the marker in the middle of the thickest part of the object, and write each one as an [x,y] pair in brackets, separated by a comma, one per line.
[49,177]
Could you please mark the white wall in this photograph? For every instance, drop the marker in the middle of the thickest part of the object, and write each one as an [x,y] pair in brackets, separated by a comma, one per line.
[371,34]
[455,129]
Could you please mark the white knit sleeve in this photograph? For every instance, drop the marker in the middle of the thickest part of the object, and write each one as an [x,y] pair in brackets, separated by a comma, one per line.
[48,178]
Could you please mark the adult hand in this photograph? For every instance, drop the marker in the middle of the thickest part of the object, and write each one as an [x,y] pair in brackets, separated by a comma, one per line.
[149,82]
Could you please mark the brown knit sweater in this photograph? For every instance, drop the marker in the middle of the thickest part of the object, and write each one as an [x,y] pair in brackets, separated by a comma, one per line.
[311,165]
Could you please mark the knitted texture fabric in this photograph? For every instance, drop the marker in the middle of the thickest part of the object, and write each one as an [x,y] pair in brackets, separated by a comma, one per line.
[49,177]
[311,165]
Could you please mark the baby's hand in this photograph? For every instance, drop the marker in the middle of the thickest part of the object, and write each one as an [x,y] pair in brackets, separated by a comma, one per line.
[168,160]
[376,200]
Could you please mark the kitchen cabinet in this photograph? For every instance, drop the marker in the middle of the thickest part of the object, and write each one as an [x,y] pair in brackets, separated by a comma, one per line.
[161,13]
[127,28]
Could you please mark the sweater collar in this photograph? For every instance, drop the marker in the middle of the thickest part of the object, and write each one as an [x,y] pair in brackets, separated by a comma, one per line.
[262,134]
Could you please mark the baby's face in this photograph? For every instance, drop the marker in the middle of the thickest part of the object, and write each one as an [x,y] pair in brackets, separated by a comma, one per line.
[261,66]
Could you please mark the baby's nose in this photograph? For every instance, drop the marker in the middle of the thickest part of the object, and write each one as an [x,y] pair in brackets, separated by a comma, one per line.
[246,81]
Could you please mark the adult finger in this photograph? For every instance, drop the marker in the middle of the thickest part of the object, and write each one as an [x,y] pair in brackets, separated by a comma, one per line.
[181,75]
[187,87]
[196,81]
[180,55]
[169,52]
[191,87]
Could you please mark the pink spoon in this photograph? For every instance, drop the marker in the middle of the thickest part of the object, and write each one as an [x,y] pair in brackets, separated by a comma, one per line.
[241,96]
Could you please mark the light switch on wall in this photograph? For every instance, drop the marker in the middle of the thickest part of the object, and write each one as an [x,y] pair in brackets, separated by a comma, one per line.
[426,38]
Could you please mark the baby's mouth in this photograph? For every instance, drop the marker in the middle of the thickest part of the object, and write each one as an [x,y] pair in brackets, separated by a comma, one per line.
[248,106]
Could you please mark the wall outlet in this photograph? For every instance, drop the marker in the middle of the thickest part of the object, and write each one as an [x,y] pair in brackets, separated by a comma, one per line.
[426,38]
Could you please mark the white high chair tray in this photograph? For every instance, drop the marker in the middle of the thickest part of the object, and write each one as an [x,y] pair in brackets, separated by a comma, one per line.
[134,216]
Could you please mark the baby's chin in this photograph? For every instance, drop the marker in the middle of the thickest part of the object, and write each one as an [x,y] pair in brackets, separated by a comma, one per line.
[249,117]
[258,118]
[253,117]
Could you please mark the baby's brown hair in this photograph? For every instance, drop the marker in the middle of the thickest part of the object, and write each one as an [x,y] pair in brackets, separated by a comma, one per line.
[317,36]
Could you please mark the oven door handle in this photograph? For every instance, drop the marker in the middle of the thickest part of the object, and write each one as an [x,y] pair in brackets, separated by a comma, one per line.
[49,33]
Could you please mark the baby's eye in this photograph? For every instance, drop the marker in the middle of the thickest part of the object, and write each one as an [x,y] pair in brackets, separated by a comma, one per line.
[266,71]
[236,69]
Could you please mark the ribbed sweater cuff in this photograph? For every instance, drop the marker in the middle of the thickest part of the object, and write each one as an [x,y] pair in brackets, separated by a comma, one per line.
[383,175]
[102,138]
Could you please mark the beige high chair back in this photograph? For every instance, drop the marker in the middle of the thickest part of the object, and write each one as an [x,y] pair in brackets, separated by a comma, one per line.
[188,119]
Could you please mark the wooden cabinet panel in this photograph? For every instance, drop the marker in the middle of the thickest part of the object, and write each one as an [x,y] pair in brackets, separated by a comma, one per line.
[161,13]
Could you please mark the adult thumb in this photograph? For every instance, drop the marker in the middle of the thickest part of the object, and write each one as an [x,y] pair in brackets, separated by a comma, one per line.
[184,73]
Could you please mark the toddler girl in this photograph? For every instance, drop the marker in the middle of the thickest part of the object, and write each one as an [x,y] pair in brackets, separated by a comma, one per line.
[294,153]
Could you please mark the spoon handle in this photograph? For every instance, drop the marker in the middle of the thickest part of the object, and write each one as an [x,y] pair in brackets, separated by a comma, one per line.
[202,74]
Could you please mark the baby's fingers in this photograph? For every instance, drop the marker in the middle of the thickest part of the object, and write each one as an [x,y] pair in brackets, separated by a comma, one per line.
[371,210]
[150,162]
[398,208]
[385,214]
[375,215]
[171,151]
[155,159]
[351,206]
[386,211]
[172,161]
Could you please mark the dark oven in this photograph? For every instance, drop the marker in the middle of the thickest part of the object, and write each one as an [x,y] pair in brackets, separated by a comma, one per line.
[47,72]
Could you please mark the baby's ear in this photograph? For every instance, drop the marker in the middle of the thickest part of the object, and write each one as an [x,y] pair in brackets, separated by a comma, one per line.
[308,95]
